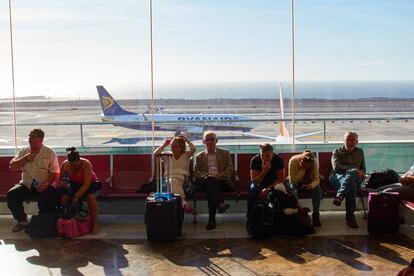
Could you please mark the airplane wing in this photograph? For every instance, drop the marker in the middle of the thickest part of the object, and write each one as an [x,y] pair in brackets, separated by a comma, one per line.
[279,138]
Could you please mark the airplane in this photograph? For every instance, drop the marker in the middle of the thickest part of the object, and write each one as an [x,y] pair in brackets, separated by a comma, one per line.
[187,123]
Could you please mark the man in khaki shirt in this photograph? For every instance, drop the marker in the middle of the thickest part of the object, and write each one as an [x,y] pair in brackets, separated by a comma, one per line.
[304,175]
[40,167]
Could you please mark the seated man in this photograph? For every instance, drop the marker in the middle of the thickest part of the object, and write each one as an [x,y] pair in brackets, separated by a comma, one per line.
[348,163]
[39,165]
[213,172]
[304,174]
[405,188]
[266,169]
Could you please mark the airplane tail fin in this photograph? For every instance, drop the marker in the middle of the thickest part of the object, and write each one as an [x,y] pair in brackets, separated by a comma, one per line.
[109,106]
[283,130]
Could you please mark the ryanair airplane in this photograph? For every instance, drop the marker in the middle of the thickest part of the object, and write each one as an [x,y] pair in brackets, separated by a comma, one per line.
[187,123]
[113,112]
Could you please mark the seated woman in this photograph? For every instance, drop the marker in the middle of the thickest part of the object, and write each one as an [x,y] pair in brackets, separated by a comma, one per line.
[180,165]
[81,184]
[405,188]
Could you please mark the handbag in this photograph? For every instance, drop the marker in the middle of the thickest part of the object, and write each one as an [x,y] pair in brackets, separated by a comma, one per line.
[189,186]
[76,210]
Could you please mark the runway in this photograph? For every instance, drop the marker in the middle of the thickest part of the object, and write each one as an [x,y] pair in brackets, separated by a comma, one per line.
[78,122]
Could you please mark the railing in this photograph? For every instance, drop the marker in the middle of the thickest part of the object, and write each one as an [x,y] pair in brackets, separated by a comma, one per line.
[330,129]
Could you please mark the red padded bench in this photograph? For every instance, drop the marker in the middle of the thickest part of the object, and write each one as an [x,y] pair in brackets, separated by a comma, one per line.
[130,172]
[7,178]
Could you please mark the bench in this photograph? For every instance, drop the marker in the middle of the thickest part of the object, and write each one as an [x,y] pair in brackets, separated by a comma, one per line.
[8,178]
[122,175]
[325,168]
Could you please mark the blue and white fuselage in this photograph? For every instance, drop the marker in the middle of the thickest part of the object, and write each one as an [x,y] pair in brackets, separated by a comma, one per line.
[114,113]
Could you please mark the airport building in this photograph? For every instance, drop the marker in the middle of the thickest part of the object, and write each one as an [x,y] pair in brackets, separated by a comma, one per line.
[116,79]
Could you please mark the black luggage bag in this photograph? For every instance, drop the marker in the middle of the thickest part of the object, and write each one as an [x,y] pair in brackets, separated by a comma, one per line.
[42,226]
[163,210]
[260,224]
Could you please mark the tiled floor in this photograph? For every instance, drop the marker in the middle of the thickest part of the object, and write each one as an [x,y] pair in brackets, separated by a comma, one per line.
[121,249]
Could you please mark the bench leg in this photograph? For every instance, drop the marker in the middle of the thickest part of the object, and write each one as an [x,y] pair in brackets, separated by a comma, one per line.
[361,198]
[194,210]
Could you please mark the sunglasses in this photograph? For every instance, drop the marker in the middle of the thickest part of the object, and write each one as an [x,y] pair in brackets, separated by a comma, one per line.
[209,139]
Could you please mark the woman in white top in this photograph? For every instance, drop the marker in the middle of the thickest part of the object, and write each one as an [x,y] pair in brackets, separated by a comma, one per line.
[180,165]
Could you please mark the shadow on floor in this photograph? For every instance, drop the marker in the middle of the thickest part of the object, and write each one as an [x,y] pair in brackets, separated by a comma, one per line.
[70,255]
[321,255]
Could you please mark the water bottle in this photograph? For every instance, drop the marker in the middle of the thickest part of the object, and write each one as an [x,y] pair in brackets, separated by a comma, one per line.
[164,184]
[35,183]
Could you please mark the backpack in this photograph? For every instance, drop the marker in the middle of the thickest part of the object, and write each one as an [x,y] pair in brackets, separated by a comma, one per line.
[379,178]
[75,210]
[260,224]
[42,226]
[294,224]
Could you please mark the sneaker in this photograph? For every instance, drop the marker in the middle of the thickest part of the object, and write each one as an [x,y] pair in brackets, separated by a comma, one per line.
[337,201]
[352,223]
[211,224]
[188,209]
[18,227]
[222,208]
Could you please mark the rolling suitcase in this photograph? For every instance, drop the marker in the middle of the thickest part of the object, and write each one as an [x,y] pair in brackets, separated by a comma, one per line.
[383,212]
[163,210]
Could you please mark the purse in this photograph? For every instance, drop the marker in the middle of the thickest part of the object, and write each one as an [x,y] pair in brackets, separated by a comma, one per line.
[189,186]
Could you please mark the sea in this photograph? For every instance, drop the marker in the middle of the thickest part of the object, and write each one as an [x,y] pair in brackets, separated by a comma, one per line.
[269,90]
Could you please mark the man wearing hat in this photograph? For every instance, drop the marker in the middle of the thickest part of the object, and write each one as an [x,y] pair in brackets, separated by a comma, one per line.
[304,175]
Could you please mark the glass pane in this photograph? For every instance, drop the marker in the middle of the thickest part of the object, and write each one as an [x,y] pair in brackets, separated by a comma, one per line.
[354,61]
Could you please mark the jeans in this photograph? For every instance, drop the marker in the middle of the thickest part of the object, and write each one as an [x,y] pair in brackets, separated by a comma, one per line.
[46,200]
[214,189]
[346,186]
[253,197]
[316,196]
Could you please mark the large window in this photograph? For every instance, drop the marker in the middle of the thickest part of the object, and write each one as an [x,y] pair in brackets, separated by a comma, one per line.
[353,62]
[211,59]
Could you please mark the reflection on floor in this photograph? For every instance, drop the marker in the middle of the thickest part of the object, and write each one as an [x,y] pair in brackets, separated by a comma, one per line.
[121,249]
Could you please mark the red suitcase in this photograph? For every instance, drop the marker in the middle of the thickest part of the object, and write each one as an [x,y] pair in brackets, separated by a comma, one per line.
[383,212]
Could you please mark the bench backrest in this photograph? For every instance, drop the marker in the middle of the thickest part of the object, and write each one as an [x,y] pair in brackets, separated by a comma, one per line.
[130,172]
[7,178]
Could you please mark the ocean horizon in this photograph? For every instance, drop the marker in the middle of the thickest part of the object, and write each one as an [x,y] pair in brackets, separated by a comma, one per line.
[329,90]
[270,90]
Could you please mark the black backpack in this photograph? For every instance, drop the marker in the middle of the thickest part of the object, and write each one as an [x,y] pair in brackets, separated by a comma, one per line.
[261,224]
[379,178]
[42,226]
[76,210]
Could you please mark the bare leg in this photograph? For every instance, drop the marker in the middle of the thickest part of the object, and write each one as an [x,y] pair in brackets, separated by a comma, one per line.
[93,211]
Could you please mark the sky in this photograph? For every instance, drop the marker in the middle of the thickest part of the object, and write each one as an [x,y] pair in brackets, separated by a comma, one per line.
[65,48]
